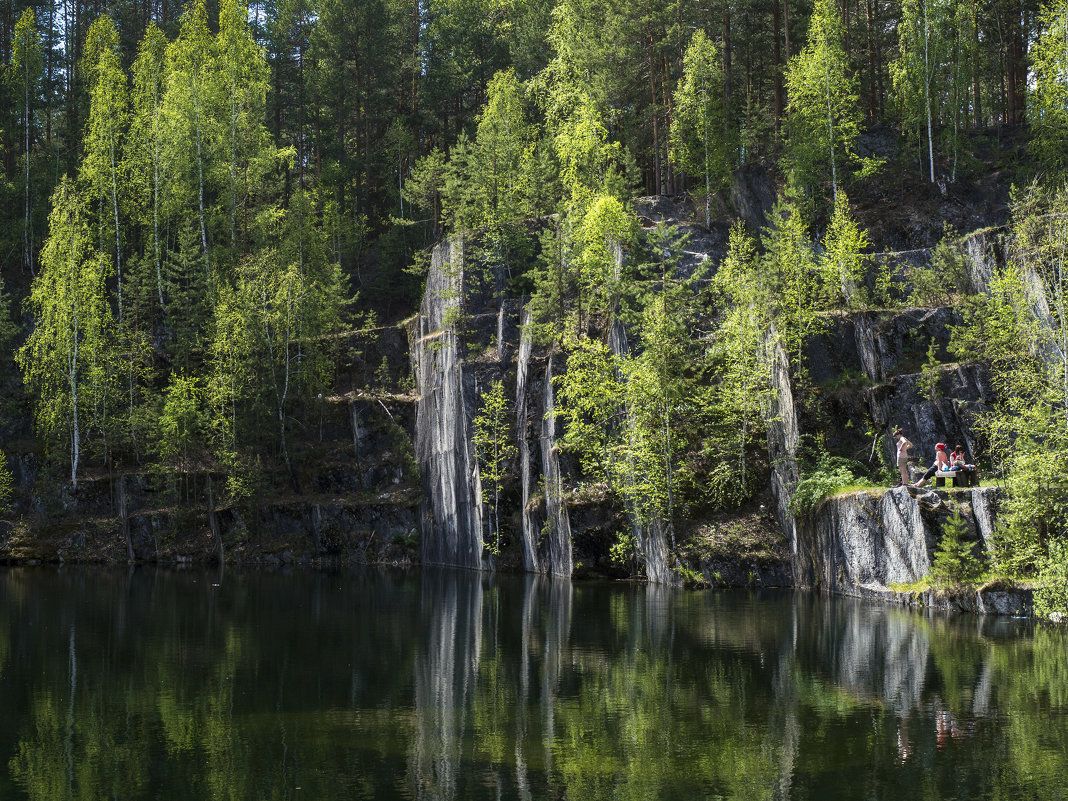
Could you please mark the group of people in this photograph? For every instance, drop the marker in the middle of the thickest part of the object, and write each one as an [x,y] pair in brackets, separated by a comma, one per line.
[957,461]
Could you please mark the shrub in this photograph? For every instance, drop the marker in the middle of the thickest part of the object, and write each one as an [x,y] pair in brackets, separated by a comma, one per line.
[831,474]
[1051,592]
[955,561]
[6,485]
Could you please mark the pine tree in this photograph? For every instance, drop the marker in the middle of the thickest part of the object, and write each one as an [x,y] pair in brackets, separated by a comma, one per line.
[25,79]
[186,293]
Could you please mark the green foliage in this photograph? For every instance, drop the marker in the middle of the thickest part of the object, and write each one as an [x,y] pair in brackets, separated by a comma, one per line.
[495,447]
[843,255]
[1048,103]
[1019,330]
[622,551]
[179,422]
[702,140]
[955,561]
[591,400]
[67,360]
[7,485]
[742,391]
[186,293]
[794,281]
[1051,591]
[931,76]
[830,475]
[931,374]
[946,279]
[824,114]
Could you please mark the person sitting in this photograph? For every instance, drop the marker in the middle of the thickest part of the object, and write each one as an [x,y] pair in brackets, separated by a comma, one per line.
[941,463]
[958,461]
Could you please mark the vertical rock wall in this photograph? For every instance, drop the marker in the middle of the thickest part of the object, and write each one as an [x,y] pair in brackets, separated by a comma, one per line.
[782,441]
[877,538]
[557,549]
[546,525]
[530,519]
[451,513]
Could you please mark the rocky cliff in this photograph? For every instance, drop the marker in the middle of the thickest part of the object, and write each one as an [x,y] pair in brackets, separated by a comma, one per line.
[451,511]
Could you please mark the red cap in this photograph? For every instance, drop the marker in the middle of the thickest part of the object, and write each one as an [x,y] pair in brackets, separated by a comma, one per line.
[941,446]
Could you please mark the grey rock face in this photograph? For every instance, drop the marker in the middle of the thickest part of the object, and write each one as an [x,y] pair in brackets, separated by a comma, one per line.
[546,524]
[752,195]
[869,540]
[783,436]
[531,524]
[558,561]
[451,518]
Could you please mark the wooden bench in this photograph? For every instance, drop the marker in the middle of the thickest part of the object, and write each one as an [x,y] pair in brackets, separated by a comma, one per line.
[960,478]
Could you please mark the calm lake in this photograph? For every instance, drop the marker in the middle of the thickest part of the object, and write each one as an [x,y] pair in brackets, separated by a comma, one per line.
[119,684]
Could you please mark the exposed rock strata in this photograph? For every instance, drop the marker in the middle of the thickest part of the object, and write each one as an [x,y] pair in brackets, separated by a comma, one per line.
[451,519]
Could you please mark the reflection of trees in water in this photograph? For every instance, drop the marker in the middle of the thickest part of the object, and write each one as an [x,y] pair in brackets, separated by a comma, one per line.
[465,686]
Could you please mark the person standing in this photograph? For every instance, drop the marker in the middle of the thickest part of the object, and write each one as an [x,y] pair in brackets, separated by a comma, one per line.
[903,447]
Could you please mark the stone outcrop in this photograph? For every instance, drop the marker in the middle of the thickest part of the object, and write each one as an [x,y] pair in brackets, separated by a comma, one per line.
[451,517]
[545,520]
[861,543]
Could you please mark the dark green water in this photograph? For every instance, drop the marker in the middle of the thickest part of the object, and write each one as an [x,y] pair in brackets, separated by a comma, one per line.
[163,685]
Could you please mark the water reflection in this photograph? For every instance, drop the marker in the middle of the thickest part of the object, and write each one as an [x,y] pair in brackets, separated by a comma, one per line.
[457,685]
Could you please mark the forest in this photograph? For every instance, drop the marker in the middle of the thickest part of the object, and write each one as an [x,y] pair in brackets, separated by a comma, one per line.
[202,201]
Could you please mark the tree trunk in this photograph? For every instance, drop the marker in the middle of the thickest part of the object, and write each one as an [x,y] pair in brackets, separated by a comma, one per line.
[727,51]
[927,89]
[776,17]
[656,114]
[977,105]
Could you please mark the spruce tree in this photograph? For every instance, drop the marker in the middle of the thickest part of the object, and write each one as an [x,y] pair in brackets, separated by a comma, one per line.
[954,558]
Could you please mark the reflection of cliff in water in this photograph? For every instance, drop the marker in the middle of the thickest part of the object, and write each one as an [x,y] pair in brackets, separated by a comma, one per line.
[465,685]
[445,672]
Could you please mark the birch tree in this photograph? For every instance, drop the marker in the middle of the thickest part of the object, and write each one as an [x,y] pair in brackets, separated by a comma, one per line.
[108,115]
[701,140]
[824,113]
[147,168]
[242,93]
[65,361]
[494,443]
[191,69]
